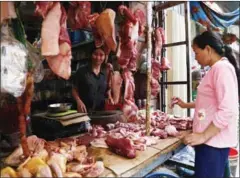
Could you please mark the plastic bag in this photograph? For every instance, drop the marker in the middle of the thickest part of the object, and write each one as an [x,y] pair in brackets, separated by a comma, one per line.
[34,55]
[13,64]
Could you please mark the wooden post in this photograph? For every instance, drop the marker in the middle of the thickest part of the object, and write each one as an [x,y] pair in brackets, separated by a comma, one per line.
[149,65]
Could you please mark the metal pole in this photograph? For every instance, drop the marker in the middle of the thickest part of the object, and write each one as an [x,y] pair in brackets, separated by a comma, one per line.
[149,65]
[188,43]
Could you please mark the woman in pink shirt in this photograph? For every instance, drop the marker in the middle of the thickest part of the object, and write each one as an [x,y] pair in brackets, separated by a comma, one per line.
[216,106]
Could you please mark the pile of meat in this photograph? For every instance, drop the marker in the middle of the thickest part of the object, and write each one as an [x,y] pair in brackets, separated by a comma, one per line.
[125,138]
[122,138]
[59,158]
[164,124]
[56,44]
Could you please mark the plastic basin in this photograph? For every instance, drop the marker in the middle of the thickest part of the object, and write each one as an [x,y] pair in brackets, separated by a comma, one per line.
[160,175]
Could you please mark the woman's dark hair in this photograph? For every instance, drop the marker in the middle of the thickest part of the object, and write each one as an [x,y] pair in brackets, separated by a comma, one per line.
[214,40]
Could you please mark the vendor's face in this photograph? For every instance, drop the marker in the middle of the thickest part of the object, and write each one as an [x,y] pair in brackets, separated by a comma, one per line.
[98,56]
[202,55]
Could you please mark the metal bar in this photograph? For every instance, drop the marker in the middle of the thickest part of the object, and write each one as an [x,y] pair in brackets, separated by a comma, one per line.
[166,5]
[164,92]
[162,18]
[175,44]
[174,83]
[187,28]
[160,24]
[149,65]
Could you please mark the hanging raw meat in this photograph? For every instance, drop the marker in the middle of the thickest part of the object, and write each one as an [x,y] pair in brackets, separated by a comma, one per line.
[61,63]
[129,85]
[128,33]
[97,38]
[103,29]
[139,14]
[129,107]
[115,85]
[165,64]
[50,31]
[130,110]
[155,87]
[7,11]
[162,34]
[158,42]
[156,66]
[56,44]
[114,80]
[78,13]
[43,7]
[106,28]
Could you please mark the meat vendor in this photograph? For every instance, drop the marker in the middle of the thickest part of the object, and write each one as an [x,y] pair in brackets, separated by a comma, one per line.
[90,83]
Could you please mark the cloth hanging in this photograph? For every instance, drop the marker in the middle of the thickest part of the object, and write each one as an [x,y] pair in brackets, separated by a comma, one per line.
[208,16]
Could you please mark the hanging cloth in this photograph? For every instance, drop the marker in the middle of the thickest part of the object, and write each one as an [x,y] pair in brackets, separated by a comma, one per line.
[208,16]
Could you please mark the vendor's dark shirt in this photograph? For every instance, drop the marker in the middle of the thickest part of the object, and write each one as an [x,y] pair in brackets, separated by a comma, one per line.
[91,87]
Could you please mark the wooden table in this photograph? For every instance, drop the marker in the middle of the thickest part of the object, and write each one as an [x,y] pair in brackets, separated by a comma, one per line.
[144,163]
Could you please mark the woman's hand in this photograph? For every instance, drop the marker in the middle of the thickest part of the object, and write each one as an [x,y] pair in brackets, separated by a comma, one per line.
[194,139]
[81,107]
[181,103]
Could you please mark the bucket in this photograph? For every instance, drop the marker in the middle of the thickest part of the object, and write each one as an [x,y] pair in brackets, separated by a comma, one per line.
[233,160]
[160,175]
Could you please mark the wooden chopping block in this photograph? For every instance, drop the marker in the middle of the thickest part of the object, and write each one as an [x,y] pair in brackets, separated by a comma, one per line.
[119,164]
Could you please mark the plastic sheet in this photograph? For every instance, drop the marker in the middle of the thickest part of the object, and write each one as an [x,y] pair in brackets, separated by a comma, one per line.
[13,64]
[34,55]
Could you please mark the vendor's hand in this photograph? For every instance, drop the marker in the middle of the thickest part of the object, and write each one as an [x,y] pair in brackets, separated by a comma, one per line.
[181,103]
[194,139]
[110,101]
[81,107]
[181,135]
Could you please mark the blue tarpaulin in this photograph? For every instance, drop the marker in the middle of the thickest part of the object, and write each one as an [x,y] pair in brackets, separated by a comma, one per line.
[210,17]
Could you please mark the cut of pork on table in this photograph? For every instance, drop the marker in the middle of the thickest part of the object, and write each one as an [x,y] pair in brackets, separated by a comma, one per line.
[121,146]
[56,44]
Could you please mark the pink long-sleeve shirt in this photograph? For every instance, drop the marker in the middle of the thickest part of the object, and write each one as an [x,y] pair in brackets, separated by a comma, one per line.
[217,103]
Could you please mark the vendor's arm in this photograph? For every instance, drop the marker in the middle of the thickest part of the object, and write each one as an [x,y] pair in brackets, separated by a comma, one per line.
[77,80]
[80,105]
